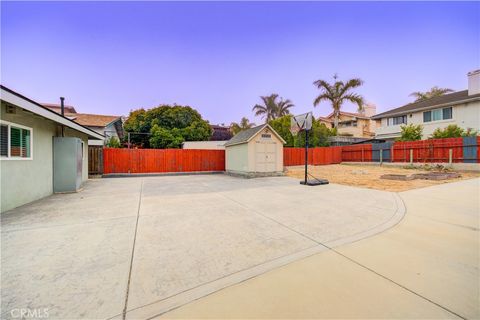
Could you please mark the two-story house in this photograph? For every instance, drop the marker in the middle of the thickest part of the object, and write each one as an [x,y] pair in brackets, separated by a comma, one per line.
[461,108]
[358,125]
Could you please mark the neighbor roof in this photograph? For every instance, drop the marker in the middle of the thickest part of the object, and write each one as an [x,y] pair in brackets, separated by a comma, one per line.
[351,114]
[92,120]
[10,96]
[447,99]
[247,135]
[57,108]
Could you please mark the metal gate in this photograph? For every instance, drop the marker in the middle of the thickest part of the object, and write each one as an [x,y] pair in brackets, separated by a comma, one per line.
[470,149]
[384,149]
[95,160]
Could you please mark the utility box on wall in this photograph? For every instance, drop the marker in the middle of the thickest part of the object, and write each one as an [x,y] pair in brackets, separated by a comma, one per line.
[67,164]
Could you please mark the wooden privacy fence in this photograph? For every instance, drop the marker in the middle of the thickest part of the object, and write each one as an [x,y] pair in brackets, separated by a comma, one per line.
[95,160]
[357,153]
[316,156]
[182,160]
[464,149]
[161,160]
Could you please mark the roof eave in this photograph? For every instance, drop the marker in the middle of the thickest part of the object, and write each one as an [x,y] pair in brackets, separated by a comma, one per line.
[454,103]
[23,102]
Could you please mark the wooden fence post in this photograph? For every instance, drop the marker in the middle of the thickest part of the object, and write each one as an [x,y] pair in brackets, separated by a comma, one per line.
[411,156]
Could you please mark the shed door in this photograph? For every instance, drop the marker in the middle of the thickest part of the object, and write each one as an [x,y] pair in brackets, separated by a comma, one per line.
[265,156]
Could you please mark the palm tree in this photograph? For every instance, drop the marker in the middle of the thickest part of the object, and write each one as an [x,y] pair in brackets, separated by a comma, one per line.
[433,92]
[283,107]
[339,92]
[271,108]
[243,125]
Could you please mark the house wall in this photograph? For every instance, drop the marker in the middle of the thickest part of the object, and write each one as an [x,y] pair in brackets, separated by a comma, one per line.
[236,158]
[464,115]
[204,145]
[109,131]
[365,127]
[25,180]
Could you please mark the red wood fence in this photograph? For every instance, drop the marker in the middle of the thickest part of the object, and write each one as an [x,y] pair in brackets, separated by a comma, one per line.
[181,160]
[357,153]
[161,160]
[316,156]
[433,150]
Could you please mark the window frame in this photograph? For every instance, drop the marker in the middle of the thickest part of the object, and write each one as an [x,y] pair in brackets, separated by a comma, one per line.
[441,110]
[19,126]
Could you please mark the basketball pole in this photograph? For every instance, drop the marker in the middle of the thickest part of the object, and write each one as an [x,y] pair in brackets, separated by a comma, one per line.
[306,155]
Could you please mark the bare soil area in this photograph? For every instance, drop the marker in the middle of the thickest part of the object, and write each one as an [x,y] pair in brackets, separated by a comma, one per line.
[368,176]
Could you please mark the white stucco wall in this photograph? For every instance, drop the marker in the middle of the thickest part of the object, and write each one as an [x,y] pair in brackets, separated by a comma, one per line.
[204,145]
[22,180]
[464,115]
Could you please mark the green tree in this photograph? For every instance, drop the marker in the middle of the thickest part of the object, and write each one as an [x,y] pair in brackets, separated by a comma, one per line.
[271,108]
[337,93]
[453,131]
[243,125]
[318,135]
[282,127]
[411,132]
[174,124]
[113,142]
[433,92]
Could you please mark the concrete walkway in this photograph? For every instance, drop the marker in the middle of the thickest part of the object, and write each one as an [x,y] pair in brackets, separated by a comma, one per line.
[137,247]
[425,267]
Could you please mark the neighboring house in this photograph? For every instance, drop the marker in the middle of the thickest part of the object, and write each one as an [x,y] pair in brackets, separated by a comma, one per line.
[255,152]
[358,125]
[204,145]
[28,134]
[109,126]
[220,133]
[461,108]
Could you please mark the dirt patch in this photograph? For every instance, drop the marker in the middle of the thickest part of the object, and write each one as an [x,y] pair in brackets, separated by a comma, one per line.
[369,176]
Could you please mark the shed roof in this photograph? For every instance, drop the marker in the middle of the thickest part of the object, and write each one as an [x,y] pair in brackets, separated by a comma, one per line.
[247,135]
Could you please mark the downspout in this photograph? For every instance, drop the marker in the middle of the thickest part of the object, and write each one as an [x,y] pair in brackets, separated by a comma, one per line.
[62,112]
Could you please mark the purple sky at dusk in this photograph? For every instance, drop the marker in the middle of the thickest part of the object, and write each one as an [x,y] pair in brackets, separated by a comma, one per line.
[219,57]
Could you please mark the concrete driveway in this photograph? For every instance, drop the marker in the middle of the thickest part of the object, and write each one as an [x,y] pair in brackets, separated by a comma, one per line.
[138,247]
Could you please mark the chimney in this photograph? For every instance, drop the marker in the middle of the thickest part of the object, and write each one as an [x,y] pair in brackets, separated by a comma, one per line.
[62,106]
[369,110]
[474,82]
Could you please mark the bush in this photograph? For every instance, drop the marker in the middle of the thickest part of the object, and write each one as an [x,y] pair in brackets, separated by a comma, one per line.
[411,132]
[113,142]
[453,131]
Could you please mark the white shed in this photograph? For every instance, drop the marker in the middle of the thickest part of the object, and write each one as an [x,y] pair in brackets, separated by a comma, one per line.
[255,152]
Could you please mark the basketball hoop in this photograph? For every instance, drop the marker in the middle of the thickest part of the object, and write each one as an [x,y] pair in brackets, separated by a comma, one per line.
[301,122]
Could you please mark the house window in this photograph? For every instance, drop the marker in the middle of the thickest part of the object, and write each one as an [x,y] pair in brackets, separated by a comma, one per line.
[397,120]
[437,114]
[427,116]
[16,141]
[447,113]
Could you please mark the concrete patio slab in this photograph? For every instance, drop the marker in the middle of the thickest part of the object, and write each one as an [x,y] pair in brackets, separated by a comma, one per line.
[426,267]
[195,235]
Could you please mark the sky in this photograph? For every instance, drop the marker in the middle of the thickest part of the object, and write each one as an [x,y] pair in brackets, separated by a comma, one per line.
[220,57]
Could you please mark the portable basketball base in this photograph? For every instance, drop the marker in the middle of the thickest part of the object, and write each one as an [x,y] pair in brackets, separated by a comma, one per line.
[299,123]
